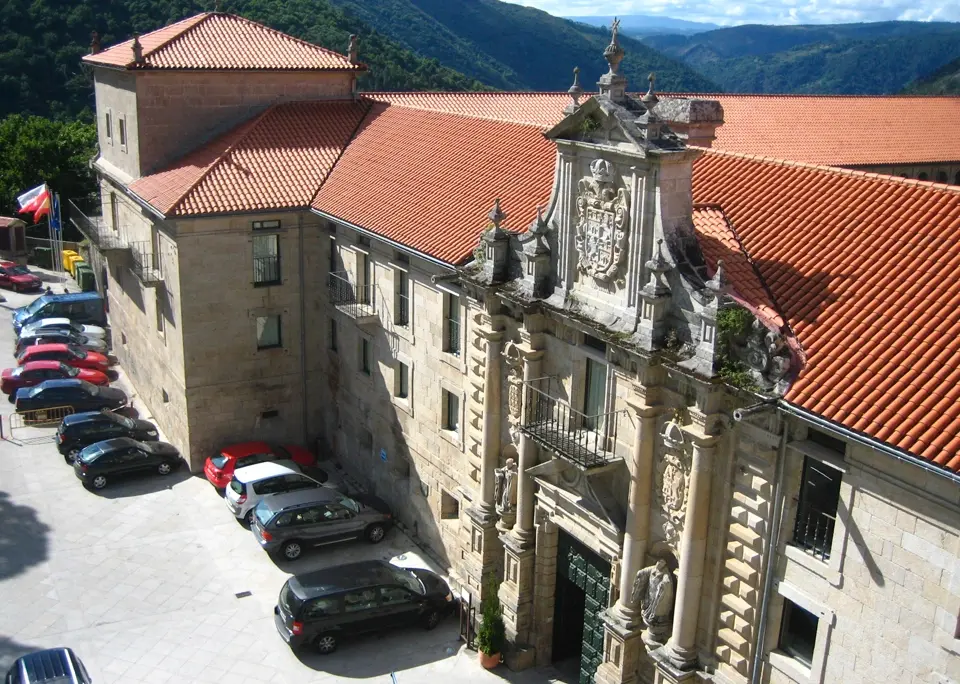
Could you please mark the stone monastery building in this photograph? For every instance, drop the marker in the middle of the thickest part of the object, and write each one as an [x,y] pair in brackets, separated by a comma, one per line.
[681,373]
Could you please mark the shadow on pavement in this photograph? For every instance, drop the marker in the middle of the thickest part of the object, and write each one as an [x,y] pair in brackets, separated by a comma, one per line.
[10,650]
[380,654]
[23,537]
[138,485]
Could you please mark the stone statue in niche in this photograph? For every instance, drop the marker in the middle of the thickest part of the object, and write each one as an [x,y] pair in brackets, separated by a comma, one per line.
[653,592]
[505,487]
[602,224]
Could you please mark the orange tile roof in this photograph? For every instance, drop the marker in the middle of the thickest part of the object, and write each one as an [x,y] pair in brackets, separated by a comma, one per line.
[428,179]
[222,41]
[863,266]
[277,160]
[536,109]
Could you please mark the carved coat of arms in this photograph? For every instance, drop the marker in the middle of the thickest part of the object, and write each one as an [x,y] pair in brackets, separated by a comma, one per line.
[671,492]
[603,222]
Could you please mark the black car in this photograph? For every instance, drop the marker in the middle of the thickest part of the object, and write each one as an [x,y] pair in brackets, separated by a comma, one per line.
[79,430]
[54,665]
[100,463]
[320,608]
[80,395]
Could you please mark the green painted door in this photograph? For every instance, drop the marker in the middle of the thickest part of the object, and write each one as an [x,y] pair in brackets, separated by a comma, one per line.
[590,574]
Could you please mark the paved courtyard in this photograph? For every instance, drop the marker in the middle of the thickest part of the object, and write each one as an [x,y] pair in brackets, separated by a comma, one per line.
[142,580]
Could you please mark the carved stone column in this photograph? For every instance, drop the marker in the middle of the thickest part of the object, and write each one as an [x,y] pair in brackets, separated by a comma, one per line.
[623,645]
[492,406]
[681,650]
[523,530]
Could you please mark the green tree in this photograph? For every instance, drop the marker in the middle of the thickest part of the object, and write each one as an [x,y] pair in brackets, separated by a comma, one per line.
[37,150]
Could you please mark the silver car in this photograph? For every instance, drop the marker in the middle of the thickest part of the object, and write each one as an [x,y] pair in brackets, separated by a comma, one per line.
[289,523]
[251,483]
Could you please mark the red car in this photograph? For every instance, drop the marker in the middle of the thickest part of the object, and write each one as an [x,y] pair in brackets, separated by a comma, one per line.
[18,277]
[35,372]
[70,354]
[219,469]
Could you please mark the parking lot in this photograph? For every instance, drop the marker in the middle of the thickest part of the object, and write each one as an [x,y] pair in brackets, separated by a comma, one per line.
[152,580]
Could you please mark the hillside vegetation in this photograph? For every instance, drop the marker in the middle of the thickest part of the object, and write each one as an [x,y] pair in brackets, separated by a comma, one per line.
[42,41]
[513,47]
[943,81]
[862,59]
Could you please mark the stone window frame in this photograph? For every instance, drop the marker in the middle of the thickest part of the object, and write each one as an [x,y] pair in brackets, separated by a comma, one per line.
[456,438]
[406,330]
[404,404]
[363,260]
[158,305]
[831,569]
[122,132]
[458,361]
[786,663]
[364,341]
[268,314]
[108,126]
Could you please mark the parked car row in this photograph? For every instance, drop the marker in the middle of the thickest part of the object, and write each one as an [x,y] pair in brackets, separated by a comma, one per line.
[18,277]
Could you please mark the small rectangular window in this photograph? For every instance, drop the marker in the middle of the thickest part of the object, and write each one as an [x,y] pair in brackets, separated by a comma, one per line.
[449,506]
[158,300]
[452,324]
[108,127]
[827,441]
[402,389]
[122,126]
[595,343]
[268,332]
[266,415]
[366,365]
[365,278]
[402,285]
[451,411]
[266,225]
[334,342]
[798,632]
[266,260]
[817,508]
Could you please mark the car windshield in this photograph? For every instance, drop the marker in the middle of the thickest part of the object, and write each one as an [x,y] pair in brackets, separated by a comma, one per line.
[263,514]
[18,270]
[15,372]
[350,504]
[89,454]
[219,461]
[76,351]
[37,304]
[289,600]
[69,371]
[236,486]
[34,391]
[410,581]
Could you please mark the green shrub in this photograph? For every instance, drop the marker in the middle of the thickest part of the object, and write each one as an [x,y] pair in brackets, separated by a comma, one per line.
[491,634]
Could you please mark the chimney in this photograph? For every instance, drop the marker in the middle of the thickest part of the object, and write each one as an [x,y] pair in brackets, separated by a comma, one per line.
[352,49]
[695,121]
[95,45]
[613,85]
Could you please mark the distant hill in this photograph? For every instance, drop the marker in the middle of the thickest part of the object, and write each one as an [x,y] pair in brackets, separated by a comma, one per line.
[640,25]
[866,59]
[513,47]
[943,81]
[42,41]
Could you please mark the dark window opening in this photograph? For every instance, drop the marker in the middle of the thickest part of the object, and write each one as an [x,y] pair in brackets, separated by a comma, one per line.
[595,343]
[403,381]
[449,506]
[365,364]
[956,178]
[269,414]
[451,418]
[798,632]
[825,440]
[266,225]
[941,176]
[452,342]
[334,346]
[403,297]
[266,259]
[922,176]
[817,508]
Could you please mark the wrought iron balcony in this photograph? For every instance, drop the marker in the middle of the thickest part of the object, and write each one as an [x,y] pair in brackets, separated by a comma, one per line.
[813,531]
[145,264]
[357,301]
[88,219]
[551,422]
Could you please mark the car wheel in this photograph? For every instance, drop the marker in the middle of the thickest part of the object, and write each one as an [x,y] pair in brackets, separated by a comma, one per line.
[326,644]
[432,619]
[376,533]
[250,517]
[292,550]
[12,397]
[100,481]
[71,455]
[164,468]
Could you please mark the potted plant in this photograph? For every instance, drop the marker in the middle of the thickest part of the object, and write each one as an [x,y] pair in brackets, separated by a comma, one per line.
[491,634]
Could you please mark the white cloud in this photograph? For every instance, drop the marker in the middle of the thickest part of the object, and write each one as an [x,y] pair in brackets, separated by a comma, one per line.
[754,11]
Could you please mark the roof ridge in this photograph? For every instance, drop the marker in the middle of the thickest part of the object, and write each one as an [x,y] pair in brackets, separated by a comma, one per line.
[462,115]
[250,125]
[204,16]
[293,38]
[835,170]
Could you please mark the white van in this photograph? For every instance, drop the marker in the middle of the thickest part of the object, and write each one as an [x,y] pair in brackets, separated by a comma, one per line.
[251,483]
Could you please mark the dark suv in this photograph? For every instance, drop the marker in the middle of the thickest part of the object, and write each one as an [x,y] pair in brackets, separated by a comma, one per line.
[83,429]
[55,665]
[289,523]
[320,608]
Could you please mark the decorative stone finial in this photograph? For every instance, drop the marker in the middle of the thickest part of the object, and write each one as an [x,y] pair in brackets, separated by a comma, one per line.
[719,284]
[575,91]
[539,226]
[352,49]
[650,99]
[95,45]
[612,84]
[497,215]
[658,266]
[613,52]
[137,49]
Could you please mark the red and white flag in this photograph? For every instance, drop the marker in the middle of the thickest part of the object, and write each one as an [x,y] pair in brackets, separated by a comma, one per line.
[36,200]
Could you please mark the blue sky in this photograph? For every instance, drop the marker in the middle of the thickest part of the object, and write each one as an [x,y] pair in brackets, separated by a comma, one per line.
[769,12]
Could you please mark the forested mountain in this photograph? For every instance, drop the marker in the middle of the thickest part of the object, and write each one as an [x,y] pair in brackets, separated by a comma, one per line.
[513,47]
[640,25]
[42,41]
[943,81]
[863,59]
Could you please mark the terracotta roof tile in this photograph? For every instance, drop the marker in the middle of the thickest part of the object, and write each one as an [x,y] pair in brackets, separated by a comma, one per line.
[222,41]
[428,179]
[863,288]
[275,161]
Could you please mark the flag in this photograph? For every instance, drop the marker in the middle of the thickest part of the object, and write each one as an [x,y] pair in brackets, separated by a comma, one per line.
[55,214]
[36,200]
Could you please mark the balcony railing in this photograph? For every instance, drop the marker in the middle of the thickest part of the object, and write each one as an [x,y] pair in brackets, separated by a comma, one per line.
[88,219]
[403,309]
[813,531]
[550,421]
[145,264]
[357,301]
